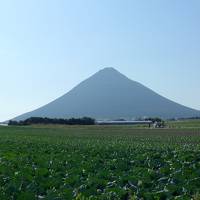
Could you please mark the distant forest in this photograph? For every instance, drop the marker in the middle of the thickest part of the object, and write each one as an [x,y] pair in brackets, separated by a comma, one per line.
[41,120]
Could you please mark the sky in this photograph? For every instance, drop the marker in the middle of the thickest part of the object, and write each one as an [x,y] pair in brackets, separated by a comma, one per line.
[47,47]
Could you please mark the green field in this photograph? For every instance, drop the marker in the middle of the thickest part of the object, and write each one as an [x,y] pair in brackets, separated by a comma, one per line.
[184,124]
[99,162]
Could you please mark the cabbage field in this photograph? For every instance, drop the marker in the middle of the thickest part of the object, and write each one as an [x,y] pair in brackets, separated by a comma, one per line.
[99,162]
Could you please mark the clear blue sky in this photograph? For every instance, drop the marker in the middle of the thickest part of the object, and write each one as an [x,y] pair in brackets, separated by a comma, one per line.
[48,46]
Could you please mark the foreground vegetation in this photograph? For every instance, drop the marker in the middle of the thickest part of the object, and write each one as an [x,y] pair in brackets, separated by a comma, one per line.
[99,162]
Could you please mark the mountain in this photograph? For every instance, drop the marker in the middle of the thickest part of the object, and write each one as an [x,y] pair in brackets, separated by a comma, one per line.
[108,94]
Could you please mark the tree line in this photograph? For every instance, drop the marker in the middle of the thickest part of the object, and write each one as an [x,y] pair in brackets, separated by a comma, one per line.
[45,120]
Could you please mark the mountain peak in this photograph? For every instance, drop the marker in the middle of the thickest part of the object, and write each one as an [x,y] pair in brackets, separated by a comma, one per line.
[109,69]
[109,72]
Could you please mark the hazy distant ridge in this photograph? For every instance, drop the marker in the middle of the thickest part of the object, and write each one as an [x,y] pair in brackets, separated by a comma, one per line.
[108,94]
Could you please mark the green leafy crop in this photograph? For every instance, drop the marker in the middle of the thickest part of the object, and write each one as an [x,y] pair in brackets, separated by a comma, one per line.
[99,162]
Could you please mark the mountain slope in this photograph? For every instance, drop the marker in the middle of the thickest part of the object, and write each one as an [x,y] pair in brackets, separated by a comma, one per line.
[108,94]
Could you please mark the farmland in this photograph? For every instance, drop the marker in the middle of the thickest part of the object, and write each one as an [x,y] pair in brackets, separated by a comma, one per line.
[99,162]
[195,123]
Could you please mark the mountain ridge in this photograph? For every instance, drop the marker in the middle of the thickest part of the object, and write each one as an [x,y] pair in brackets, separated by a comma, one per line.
[108,94]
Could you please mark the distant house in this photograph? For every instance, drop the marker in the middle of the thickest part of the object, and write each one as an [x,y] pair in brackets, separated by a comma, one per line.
[3,124]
